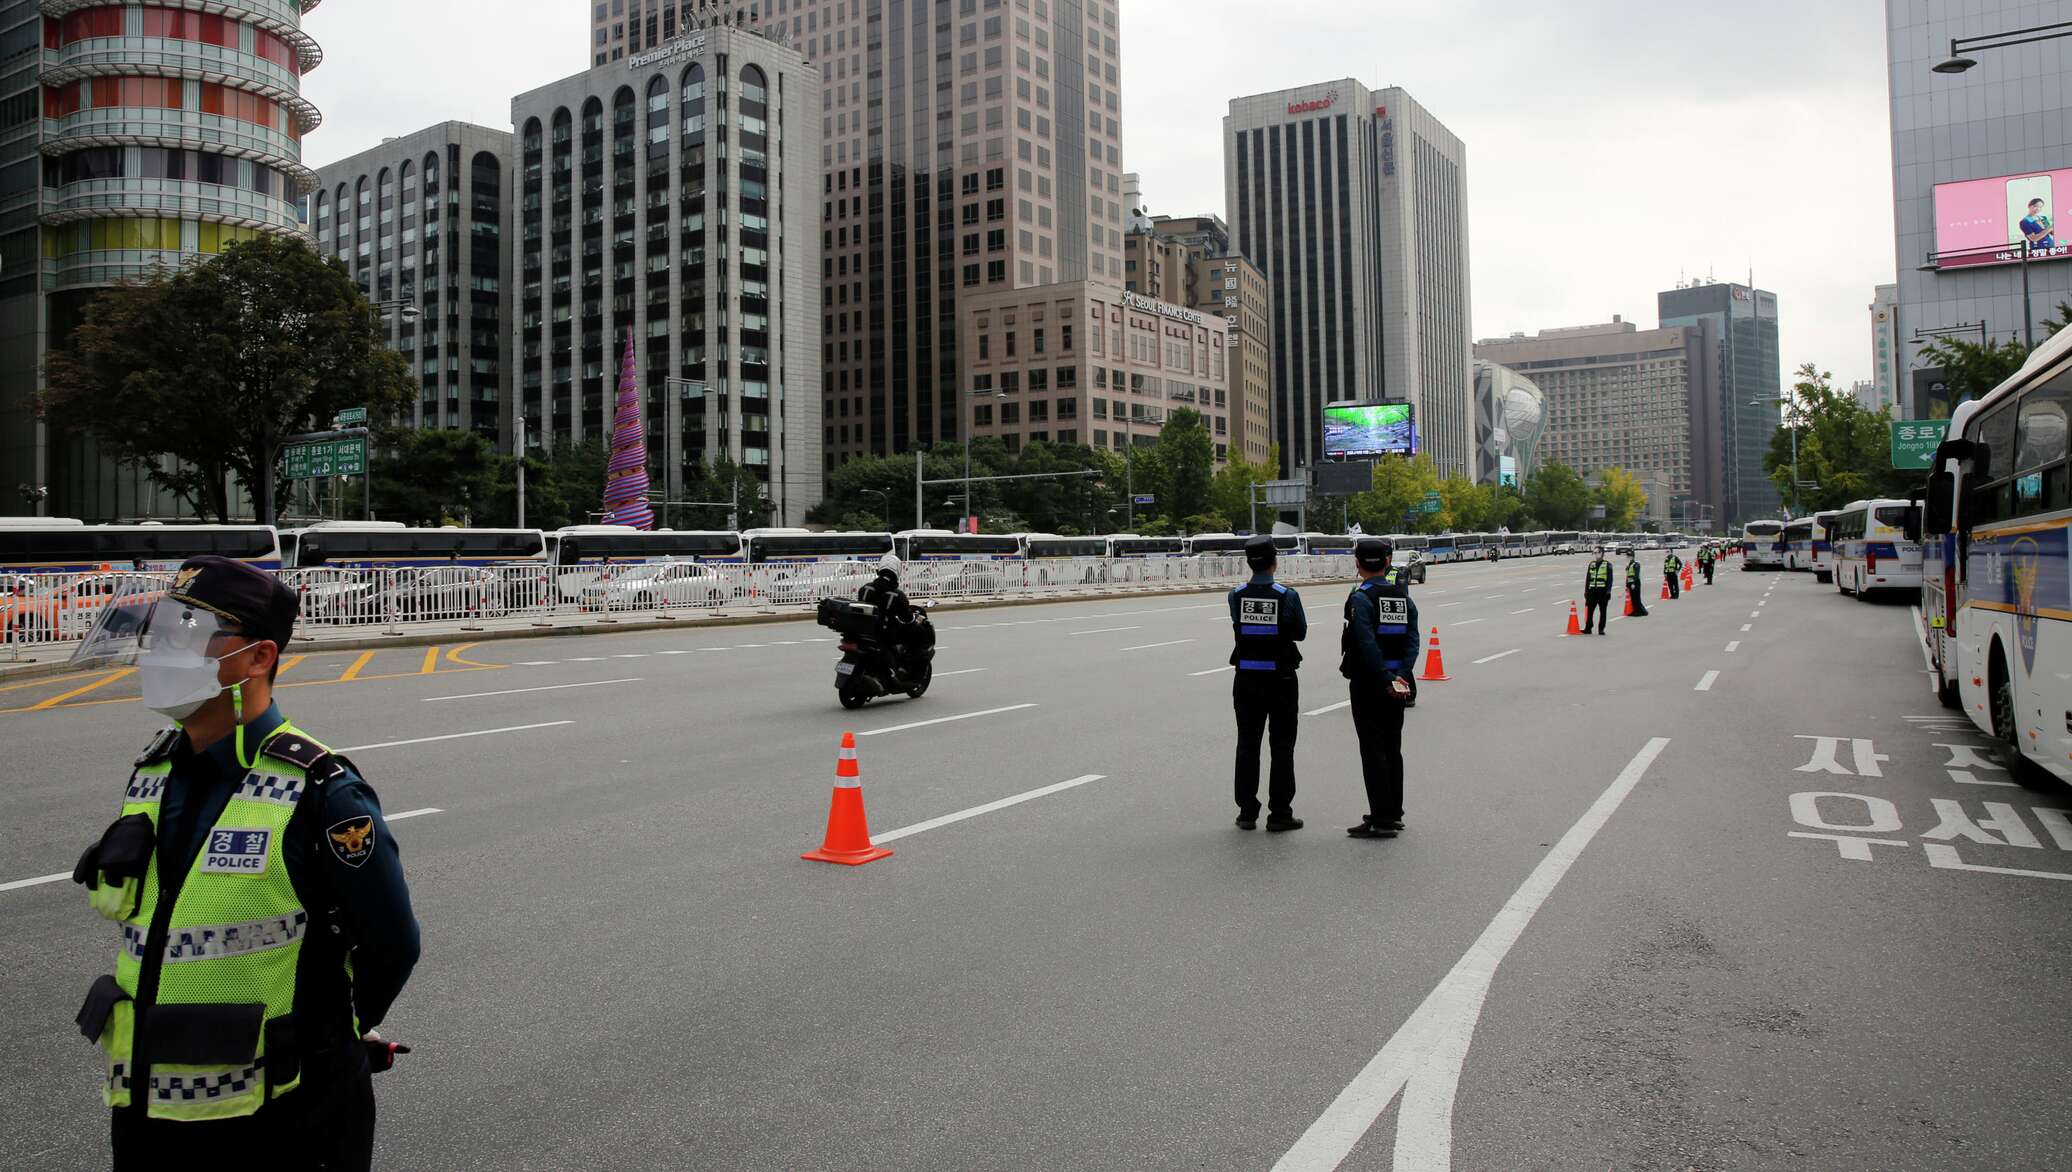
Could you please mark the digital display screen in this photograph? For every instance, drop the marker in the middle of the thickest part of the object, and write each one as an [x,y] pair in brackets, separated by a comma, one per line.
[1985,221]
[1369,429]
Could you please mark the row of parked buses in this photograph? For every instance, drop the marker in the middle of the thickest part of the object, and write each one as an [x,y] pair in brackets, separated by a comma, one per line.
[1866,546]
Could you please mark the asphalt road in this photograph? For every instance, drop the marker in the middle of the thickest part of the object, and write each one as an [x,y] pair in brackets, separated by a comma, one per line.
[1604,941]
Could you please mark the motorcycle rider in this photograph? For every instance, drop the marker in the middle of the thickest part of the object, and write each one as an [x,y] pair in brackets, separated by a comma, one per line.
[895,612]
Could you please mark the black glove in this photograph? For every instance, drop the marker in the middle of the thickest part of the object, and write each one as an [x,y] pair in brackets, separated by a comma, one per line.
[382,1055]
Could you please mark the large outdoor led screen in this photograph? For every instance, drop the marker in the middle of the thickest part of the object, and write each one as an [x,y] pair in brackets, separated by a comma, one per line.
[1369,429]
[1984,221]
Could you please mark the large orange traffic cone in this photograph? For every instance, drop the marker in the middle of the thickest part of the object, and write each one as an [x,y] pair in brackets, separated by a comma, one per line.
[1687,578]
[1665,590]
[1434,664]
[1629,604]
[848,837]
[1574,627]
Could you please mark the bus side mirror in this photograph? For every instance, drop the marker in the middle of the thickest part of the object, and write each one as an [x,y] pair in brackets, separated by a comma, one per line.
[1912,525]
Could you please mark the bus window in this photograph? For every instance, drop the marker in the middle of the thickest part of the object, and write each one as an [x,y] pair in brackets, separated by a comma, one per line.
[2040,449]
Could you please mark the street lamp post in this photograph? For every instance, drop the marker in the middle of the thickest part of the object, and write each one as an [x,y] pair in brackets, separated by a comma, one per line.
[1958,62]
[887,496]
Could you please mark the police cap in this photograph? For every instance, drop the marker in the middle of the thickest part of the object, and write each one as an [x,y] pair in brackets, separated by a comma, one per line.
[1260,551]
[1373,553]
[253,600]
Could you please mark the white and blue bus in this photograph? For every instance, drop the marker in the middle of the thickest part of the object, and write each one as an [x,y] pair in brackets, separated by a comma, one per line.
[804,545]
[1233,544]
[1051,547]
[581,554]
[1131,545]
[941,545]
[1996,585]
[1872,550]
[1762,545]
[57,545]
[383,545]
[1330,544]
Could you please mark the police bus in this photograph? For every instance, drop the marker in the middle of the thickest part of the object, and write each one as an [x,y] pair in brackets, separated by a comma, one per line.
[1330,544]
[1798,544]
[1233,545]
[51,545]
[367,545]
[1820,553]
[1872,550]
[1995,587]
[581,554]
[1762,545]
[1130,545]
[804,545]
[941,545]
[1050,547]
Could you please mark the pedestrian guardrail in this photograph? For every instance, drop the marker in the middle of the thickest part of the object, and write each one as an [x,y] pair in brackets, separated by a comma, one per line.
[40,609]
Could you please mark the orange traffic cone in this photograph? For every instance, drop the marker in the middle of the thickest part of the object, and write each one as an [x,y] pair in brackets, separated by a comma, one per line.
[1629,604]
[1665,590]
[1687,577]
[848,837]
[1574,627]
[1434,664]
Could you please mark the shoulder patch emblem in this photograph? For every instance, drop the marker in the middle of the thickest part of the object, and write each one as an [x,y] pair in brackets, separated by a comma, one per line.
[296,749]
[352,840]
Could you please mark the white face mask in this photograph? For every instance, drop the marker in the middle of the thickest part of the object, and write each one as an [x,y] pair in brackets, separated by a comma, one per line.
[178,683]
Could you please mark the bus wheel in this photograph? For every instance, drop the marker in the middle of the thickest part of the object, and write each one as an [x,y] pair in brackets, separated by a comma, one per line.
[1947,692]
[2007,728]
[1822,576]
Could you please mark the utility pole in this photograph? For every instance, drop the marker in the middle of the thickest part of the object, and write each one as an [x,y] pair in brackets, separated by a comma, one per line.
[918,523]
[521,467]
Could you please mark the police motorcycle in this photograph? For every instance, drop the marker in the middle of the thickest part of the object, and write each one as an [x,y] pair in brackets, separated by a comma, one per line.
[879,657]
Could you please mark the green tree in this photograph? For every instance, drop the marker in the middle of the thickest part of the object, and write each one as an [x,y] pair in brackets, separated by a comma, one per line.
[1557,497]
[1231,490]
[722,480]
[2062,317]
[432,476]
[1844,451]
[1465,506]
[215,363]
[1397,496]
[562,487]
[1970,368]
[1623,499]
[1507,509]
[1187,460]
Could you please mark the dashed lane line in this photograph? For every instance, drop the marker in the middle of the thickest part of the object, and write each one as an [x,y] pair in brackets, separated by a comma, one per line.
[1497,656]
[1527,610]
[1705,682]
[542,688]
[875,732]
[989,807]
[1329,708]
[962,671]
[1467,622]
[1149,646]
[1214,671]
[1734,646]
[1747,627]
[1101,631]
[455,736]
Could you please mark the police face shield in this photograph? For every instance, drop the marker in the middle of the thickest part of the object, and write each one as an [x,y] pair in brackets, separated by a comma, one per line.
[146,627]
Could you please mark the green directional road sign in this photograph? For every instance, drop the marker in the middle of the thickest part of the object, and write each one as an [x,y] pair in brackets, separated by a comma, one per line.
[1432,502]
[351,416]
[1914,442]
[346,457]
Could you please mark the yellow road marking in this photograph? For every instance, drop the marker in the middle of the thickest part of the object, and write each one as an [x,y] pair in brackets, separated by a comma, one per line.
[353,672]
[431,661]
[406,675]
[453,656]
[289,663]
[54,701]
[44,681]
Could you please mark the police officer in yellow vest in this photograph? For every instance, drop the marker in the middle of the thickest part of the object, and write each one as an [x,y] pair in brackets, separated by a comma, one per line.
[1597,593]
[265,924]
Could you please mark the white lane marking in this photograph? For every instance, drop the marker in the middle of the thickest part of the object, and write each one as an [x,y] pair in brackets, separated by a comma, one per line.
[1748,626]
[1329,708]
[1467,622]
[989,807]
[1927,661]
[1705,682]
[784,643]
[1491,597]
[1527,610]
[1943,855]
[631,655]
[1214,671]
[944,720]
[678,651]
[587,659]
[1444,605]
[746,646]
[487,732]
[1755,614]
[1102,631]
[543,688]
[962,671]
[1423,1060]
[1497,656]
[412,814]
[715,648]
[18,884]
[1734,646]
[1149,646]
[541,662]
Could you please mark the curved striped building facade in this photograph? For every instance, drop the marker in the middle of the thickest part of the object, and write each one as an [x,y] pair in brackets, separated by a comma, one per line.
[148,135]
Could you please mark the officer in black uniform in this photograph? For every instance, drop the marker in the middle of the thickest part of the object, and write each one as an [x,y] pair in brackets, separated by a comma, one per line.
[1267,621]
[1672,571]
[1597,593]
[1379,645]
[1634,594]
[362,939]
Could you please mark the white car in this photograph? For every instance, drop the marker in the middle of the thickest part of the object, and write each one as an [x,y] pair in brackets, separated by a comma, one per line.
[652,585]
[805,583]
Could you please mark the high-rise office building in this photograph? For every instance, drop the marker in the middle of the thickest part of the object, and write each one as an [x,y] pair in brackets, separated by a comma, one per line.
[1188,262]
[420,223]
[1888,361]
[622,27]
[1970,151]
[1354,202]
[672,196]
[1617,396]
[1743,324]
[136,137]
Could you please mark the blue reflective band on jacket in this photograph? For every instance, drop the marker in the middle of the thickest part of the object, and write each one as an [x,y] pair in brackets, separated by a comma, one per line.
[1257,665]
[1266,623]
[1270,632]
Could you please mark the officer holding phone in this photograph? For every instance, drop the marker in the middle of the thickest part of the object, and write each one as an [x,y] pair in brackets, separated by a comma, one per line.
[1379,647]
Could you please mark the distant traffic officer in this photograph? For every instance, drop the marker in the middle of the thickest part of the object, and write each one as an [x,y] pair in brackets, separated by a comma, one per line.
[1378,648]
[1708,557]
[1672,569]
[1266,623]
[1597,593]
[1634,594]
[265,920]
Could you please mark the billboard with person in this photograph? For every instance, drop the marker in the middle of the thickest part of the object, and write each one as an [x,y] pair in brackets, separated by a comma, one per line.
[1369,429]
[1985,221]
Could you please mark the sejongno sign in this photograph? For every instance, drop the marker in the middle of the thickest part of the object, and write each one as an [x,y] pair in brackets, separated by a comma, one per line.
[1324,103]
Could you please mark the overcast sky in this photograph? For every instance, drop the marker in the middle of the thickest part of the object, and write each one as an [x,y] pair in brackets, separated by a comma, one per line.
[1614,146]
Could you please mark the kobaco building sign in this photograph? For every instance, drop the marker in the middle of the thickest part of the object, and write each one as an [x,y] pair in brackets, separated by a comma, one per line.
[668,52]
[1324,103]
